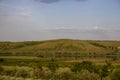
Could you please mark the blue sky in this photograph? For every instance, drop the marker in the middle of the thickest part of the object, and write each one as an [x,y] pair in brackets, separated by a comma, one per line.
[22,20]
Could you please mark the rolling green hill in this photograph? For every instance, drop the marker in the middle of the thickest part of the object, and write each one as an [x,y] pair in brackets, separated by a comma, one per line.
[60,47]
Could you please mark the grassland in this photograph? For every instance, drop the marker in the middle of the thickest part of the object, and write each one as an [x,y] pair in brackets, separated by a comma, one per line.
[65,50]
[67,46]
[53,58]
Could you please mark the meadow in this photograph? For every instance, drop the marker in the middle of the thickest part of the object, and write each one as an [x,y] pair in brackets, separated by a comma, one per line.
[62,59]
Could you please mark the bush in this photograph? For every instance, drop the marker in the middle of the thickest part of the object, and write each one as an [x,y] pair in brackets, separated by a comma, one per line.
[115,74]
[10,72]
[10,78]
[4,78]
[63,74]
[85,75]
[105,70]
[1,59]
[48,74]
[1,69]
[22,72]
[52,66]
[39,73]
[85,65]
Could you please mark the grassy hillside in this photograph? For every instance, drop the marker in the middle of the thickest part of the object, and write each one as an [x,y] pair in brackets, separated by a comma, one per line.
[44,60]
[61,46]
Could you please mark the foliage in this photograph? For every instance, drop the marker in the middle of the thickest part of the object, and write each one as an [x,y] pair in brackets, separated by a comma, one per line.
[105,70]
[10,78]
[115,74]
[85,75]
[87,65]
[63,74]
[22,72]
[52,65]
[1,69]
[1,59]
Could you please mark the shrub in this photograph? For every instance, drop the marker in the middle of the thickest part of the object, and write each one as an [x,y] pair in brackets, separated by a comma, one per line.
[39,73]
[1,69]
[10,78]
[86,65]
[4,78]
[52,66]
[1,59]
[85,75]
[63,74]
[48,74]
[10,72]
[22,72]
[105,70]
[115,74]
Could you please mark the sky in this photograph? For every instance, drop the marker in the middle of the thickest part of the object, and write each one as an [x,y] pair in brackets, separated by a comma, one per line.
[33,20]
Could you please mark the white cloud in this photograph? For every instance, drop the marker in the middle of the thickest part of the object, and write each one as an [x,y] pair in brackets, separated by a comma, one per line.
[27,14]
[15,10]
[12,14]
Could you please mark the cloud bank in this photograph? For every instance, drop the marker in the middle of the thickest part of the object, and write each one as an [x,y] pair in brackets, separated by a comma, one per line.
[25,34]
[54,1]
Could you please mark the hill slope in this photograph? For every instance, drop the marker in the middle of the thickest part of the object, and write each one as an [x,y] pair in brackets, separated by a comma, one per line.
[61,46]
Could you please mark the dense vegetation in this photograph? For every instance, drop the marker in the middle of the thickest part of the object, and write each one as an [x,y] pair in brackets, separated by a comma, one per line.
[85,70]
[62,59]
